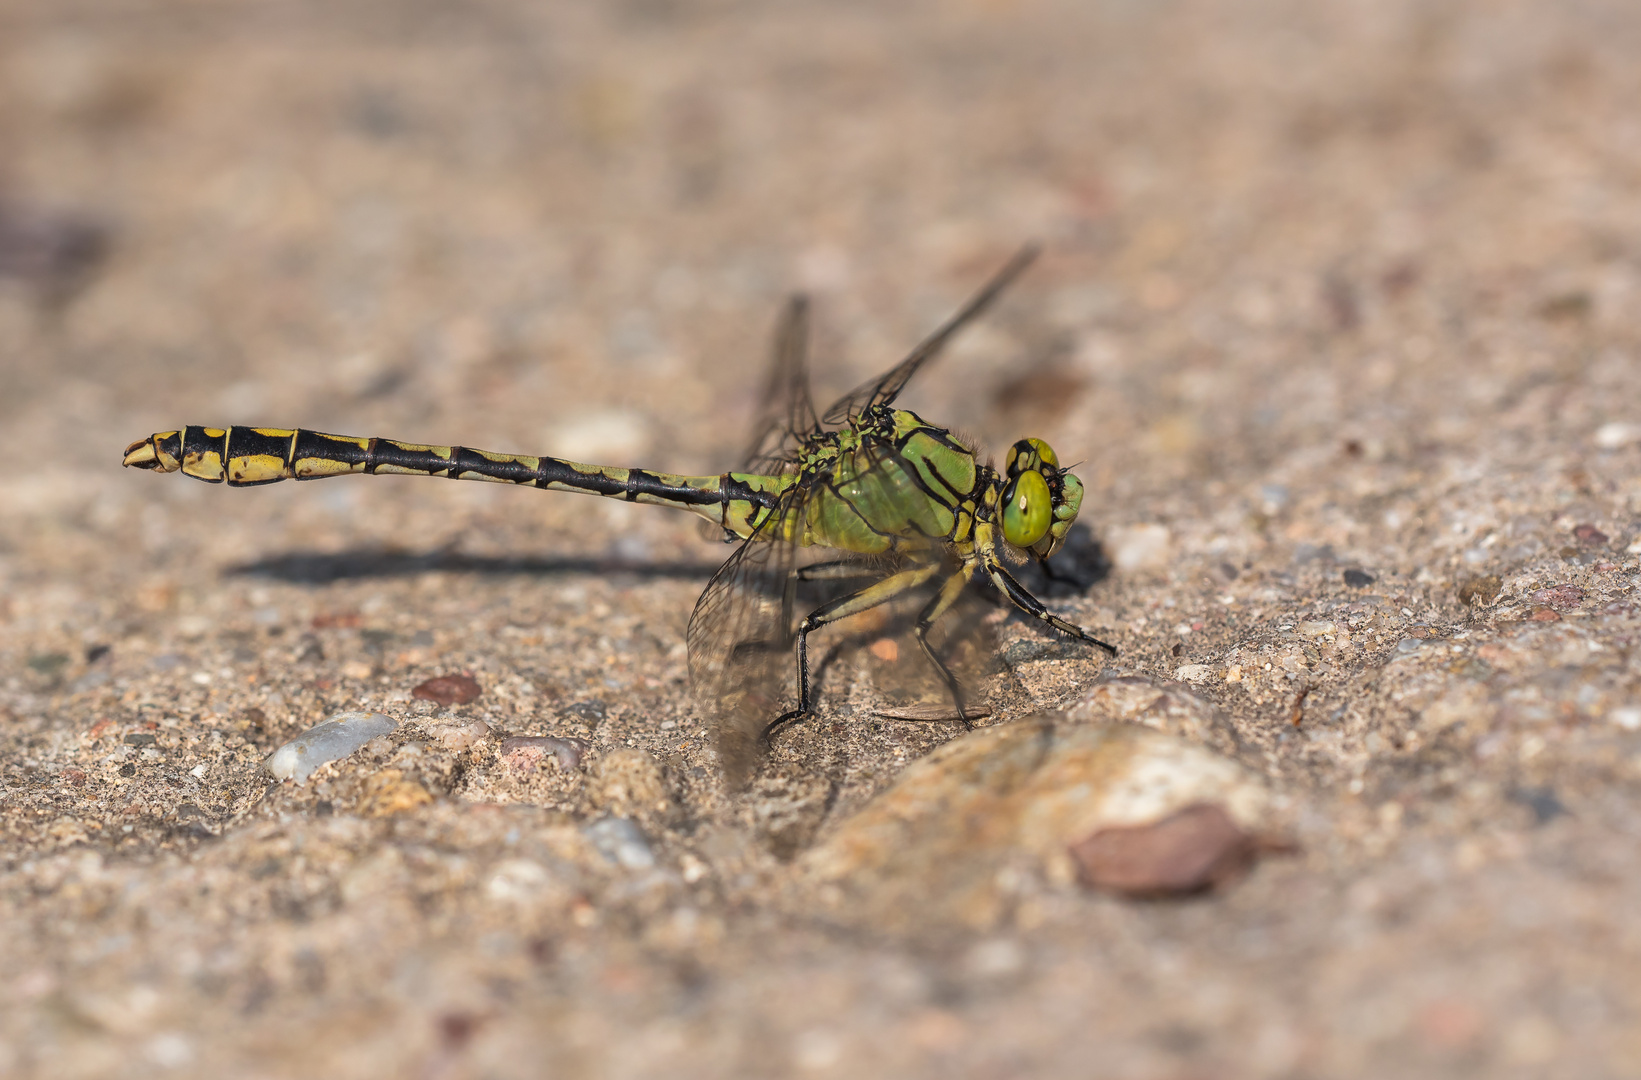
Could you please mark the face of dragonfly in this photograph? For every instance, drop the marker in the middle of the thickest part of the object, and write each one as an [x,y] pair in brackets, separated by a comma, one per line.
[1040,500]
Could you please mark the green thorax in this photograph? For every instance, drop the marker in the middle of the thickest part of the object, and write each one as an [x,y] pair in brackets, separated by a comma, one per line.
[887,481]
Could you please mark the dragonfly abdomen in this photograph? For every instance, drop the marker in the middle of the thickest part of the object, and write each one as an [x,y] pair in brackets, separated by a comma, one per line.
[249,456]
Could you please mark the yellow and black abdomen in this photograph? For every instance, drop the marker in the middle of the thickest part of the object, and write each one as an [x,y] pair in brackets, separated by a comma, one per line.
[248,456]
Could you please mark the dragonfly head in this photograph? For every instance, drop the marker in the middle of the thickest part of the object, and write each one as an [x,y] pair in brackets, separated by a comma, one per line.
[1040,499]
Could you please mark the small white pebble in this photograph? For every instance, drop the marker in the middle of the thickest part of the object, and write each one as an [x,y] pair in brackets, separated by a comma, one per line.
[1628,717]
[458,734]
[328,741]
[1617,435]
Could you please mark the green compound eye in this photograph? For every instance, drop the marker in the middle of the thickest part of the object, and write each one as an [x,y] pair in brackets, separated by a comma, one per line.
[1027,509]
[1026,454]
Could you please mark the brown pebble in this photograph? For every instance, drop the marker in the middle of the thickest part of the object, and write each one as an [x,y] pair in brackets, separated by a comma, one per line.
[1544,614]
[1480,590]
[1193,849]
[1558,596]
[448,689]
[1589,536]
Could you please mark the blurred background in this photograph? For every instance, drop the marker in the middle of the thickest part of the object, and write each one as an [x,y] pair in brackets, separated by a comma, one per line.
[567,228]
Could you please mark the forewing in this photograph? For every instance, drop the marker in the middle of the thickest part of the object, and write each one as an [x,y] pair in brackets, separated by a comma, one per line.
[786,413]
[883,390]
[741,637]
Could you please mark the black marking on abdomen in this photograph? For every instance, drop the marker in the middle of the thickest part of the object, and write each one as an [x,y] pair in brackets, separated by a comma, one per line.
[382,452]
[465,460]
[316,444]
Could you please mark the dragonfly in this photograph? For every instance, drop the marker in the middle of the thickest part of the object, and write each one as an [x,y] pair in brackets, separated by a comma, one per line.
[906,510]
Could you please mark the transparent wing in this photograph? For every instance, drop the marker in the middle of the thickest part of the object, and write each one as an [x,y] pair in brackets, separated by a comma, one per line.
[883,390]
[742,638]
[786,414]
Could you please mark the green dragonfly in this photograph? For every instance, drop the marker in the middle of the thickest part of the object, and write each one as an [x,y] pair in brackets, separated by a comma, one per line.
[908,508]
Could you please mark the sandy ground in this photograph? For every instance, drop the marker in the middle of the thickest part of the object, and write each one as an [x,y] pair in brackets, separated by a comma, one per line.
[1337,314]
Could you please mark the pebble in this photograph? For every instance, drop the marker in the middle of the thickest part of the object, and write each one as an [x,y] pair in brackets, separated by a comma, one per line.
[1590,536]
[1627,717]
[457,734]
[523,753]
[1188,851]
[1358,579]
[1558,596]
[448,690]
[1193,673]
[1617,435]
[621,841]
[330,740]
[957,834]
[1480,590]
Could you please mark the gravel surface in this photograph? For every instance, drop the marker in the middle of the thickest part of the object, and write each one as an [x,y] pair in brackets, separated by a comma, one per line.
[1337,314]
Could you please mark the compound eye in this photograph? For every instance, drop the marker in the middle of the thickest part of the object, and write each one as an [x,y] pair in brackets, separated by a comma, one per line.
[1029,454]
[1045,453]
[1027,509]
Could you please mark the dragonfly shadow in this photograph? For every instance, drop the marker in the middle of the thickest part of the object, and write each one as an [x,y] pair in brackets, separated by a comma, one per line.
[316,568]
[1079,565]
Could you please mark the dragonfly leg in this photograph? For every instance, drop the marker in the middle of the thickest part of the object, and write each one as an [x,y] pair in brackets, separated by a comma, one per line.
[950,590]
[1022,599]
[836,570]
[841,608]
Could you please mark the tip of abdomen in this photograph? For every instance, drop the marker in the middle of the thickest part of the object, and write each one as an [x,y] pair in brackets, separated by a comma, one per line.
[141,455]
[151,453]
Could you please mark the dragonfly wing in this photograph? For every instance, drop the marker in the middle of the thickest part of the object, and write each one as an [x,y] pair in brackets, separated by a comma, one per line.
[786,414]
[742,638]
[883,390]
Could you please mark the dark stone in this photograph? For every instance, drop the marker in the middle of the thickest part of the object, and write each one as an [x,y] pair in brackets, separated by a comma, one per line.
[1590,536]
[1542,801]
[1188,851]
[128,770]
[137,738]
[1358,579]
[448,689]
[593,712]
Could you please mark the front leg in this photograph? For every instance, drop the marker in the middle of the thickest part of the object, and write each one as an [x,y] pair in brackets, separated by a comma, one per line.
[1022,599]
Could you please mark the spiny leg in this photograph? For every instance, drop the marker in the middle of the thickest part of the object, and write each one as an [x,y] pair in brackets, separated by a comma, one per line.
[835,570]
[1022,599]
[844,606]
